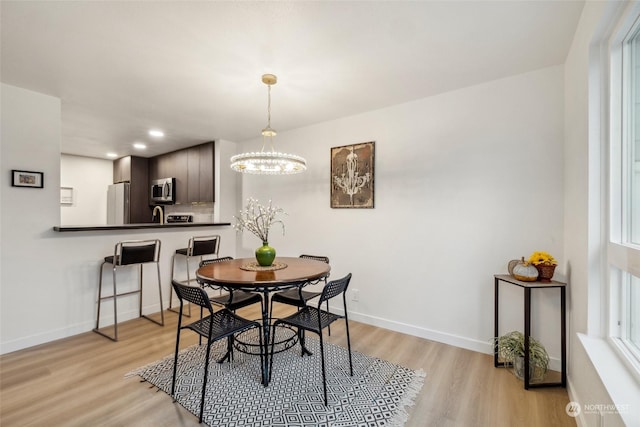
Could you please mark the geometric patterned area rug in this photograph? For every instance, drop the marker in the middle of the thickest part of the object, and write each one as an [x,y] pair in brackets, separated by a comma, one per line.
[378,394]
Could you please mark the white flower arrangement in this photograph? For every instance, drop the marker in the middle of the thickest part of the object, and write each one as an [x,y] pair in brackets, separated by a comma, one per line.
[258,219]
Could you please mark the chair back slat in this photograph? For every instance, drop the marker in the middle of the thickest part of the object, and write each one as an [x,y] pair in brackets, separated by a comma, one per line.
[214,260]
[137,252]
[192,294]
[320,258]
[316,257]
[334,288]
[208,245]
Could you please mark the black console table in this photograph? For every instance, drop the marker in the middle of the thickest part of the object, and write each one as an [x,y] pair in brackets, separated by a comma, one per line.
[528,286]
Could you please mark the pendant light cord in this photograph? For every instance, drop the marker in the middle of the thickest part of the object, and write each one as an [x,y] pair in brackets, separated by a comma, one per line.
[268,128]
[269,108]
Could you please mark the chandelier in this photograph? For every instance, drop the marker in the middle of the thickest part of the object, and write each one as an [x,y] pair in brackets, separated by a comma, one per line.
[268,162]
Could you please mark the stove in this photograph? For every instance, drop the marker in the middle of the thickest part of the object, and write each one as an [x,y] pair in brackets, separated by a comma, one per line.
[174,218]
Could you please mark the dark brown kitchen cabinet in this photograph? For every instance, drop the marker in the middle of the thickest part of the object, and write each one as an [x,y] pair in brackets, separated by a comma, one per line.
[193,168]
[180,173]
[201,173]
[193,175]
[207,170]
[122,170]
[161,166]
[135,171]
[153,169]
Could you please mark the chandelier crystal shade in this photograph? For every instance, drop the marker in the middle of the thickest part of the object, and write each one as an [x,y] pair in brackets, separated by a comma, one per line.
[268,162]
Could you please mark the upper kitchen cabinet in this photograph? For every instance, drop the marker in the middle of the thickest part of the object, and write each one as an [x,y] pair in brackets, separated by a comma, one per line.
[122,170]
[180,172]
[201,167]
[135,171]
[162,166]
[192,168]
[131,169]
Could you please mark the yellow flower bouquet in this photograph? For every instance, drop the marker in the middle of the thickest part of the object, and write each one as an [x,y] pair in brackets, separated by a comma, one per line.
[545,264]
[542,258]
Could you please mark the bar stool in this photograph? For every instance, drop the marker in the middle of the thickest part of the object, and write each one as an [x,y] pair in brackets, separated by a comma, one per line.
[127,253]
[199,246]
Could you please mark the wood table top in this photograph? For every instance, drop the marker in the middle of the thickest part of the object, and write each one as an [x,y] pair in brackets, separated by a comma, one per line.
[229,273]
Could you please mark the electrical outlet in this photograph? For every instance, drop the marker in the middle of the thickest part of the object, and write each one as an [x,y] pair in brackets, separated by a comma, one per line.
[355,295]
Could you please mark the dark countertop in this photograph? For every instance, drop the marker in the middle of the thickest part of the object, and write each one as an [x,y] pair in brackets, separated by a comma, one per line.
[64,228]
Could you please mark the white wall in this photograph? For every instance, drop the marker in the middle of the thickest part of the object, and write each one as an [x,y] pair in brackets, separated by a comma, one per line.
[30,140]
[464,182]
[49,280]
[89,179]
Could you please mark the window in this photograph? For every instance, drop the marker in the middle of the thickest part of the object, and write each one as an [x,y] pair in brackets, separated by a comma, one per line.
[631,333]
[624,221]
[630,86]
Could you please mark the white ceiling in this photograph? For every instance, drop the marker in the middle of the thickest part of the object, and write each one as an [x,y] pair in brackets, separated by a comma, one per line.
[193,68]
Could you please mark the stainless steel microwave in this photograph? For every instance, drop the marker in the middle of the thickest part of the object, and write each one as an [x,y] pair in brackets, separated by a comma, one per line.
[163,191]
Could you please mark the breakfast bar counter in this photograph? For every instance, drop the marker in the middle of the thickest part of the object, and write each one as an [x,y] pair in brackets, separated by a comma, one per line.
[66,228]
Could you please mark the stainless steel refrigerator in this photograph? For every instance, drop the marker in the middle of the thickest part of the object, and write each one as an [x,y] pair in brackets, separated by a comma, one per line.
[118,204]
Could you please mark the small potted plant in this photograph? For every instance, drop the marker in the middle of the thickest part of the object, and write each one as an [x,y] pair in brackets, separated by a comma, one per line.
[510,348]
[545,263]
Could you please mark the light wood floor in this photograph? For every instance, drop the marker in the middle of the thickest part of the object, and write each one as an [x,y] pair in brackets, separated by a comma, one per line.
[79,381]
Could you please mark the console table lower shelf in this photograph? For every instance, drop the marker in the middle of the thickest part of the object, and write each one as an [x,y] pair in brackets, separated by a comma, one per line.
[528,286]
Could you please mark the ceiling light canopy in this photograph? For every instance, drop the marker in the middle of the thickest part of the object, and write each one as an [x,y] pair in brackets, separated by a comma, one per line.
[268,162]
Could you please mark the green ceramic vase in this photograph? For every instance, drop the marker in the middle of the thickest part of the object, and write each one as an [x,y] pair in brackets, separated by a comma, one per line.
[265,254]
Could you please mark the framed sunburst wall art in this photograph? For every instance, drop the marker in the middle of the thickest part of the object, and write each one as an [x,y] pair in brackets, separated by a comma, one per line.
[352,176]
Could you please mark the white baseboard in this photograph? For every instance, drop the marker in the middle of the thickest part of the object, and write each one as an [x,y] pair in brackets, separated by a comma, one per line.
[106,320]
[33,340]
[573,397]
[455,340]
[79,328]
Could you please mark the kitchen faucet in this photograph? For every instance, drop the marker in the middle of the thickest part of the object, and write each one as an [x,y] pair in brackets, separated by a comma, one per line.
[158,208]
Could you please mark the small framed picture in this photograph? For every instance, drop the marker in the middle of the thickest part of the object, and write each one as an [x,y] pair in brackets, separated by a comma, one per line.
[27,179]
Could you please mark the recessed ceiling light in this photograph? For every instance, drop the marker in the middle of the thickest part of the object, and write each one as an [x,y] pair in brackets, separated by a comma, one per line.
[112,155]
[156,132]
[139,146]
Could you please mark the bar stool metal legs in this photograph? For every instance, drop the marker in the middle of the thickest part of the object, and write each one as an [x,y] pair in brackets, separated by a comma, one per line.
[129,253]
[173,264]
[199,246]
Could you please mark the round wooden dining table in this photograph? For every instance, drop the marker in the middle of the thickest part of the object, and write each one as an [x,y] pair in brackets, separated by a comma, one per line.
[243,274]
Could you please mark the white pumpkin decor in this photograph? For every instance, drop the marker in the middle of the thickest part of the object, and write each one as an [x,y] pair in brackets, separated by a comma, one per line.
[525,271]
[512,264]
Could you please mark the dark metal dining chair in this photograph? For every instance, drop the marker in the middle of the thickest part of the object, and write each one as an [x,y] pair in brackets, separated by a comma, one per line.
[214,327]
[233,299]
[298,297]
[314,319]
